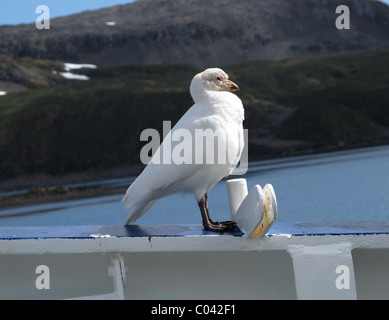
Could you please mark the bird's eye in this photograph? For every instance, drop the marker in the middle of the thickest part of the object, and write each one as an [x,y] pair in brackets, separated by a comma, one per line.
[218,78]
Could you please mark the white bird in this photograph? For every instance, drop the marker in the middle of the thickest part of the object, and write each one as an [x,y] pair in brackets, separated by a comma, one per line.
[216,109]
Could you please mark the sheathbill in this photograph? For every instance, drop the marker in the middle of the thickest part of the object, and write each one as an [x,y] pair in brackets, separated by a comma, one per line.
[218,113]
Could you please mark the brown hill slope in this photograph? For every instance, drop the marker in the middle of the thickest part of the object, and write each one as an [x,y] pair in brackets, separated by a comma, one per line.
[201,32]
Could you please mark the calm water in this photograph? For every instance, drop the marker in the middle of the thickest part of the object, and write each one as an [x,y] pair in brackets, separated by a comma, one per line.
[341,186]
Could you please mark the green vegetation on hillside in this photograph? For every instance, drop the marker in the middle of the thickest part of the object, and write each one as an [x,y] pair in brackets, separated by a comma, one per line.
[324,103]
[338,99]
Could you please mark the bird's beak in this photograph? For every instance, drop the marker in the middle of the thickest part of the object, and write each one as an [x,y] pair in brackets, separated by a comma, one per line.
[230,86]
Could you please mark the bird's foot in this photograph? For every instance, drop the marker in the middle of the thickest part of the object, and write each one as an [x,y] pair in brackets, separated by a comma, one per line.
[220,226]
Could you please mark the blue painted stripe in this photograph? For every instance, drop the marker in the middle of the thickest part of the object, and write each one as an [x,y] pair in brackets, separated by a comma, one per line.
[90,232]
[330,228]
[290,228]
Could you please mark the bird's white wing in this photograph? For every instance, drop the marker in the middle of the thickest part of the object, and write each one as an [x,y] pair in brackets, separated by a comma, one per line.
[176,167]
[161,177]
[237,144]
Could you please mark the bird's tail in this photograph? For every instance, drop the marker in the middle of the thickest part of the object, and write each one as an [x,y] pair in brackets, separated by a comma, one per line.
[126,199]
[138,211]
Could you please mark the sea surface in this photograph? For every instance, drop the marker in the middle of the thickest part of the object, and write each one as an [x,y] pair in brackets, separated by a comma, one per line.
[339,186]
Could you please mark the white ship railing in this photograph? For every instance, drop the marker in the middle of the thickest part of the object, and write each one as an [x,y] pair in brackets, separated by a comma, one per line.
[258,260]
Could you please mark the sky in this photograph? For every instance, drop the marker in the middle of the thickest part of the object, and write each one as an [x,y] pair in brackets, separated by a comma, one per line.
[23,11]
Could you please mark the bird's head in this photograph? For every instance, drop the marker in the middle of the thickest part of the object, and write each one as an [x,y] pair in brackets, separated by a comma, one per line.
[214,79]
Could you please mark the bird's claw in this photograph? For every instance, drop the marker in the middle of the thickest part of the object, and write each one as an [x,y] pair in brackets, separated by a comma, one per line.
[220,226]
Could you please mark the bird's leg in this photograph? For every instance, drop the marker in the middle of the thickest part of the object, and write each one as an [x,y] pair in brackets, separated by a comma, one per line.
[208,224]
[228,224]
[206,208]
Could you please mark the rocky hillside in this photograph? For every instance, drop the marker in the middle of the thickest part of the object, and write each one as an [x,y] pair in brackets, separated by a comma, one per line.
[201,32]
[27,73]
